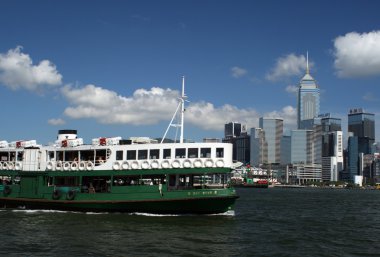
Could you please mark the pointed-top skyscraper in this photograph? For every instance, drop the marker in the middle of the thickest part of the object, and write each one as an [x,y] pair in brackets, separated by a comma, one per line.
[308,100]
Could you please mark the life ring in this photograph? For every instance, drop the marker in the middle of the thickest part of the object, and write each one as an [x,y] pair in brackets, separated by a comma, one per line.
[71,195]
[74,166]
[18,166]
[49,166]
[59,165]
[197,163]
[89,166]
[82,166]
[219,163]
[165,164]
[155,164]
[11,166]
[56,194]
[145,165]
[186,163]
[116,166]
[135,165]
[66,166]
[1,165]
[209,163]
[176,164]
[7,190]
[5,165]
[125,165]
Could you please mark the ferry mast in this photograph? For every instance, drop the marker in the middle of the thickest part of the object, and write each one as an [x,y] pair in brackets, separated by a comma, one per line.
[181,105]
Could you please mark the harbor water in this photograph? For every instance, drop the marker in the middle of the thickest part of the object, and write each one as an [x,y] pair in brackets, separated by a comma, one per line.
[266,222]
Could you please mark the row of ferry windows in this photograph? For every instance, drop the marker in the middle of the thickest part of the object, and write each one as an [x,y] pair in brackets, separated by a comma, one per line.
[167,153]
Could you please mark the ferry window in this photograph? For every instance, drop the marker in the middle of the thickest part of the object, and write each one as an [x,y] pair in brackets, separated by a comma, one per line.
[20,156]
[180,153]
[48,181]
[131,155]
[119,155]
[192,153]
[167,153]
[66,181]
[205,152]
[60,156]
[87,155]
[3,156]
[13,154]
[154,154]
[143,154]
[101,154]
[219,152]
[51,155]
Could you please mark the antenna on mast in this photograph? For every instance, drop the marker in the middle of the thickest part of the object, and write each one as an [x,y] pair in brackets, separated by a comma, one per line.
[307,62]
[181,104]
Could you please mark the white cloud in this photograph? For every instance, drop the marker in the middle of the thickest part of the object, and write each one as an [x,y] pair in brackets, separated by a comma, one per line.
[287,66]
[357,55]
[17,71]
[208,117]
[288,114]
[292,89]
[147,107]
[370,97]
[56,122]
[238,72]
[143,108]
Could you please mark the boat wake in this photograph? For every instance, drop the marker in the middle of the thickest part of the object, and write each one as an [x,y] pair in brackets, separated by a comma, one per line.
[227,213]
[31,211]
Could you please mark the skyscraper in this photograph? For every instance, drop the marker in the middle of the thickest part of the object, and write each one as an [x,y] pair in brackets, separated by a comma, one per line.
[362,125]
[308,100]
[273,131]
[361,129]
[232,129]
[259,148]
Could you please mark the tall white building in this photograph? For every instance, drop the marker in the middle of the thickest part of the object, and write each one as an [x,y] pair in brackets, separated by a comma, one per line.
[308,103]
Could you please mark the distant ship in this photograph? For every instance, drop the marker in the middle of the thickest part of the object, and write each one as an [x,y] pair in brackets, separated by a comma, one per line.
[116,175]
[250,177]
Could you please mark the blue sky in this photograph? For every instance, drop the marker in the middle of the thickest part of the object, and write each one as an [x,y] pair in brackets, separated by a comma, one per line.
[114,68]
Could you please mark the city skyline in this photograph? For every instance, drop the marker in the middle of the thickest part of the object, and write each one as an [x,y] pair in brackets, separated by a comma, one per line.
[114,68]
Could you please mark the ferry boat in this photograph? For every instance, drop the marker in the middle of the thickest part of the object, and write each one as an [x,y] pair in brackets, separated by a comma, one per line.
[117,175]
[250,177]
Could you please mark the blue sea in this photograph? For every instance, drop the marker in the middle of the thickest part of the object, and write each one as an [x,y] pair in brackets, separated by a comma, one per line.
[266,222]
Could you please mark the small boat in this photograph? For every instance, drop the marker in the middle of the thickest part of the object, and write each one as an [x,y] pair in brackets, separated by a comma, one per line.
[112,174]
[250,177]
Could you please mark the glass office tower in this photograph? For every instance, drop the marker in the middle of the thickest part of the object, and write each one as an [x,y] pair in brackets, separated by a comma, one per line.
[308,101]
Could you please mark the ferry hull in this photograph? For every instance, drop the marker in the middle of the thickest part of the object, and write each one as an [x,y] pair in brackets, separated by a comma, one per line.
[209,205]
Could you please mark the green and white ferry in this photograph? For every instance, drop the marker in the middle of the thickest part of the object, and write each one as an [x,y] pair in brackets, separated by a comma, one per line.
[116,175]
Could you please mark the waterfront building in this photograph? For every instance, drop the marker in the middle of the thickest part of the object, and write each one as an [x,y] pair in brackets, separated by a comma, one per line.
[273,128]
[232,129]
[352,157]
[211,140]
[243,148]
[376,168]
[361,128]
[328,146]
[259,147]
[301,146]
[286,147]
[332,155]
[308,101]
[307,173]
[236,134]
[362,125]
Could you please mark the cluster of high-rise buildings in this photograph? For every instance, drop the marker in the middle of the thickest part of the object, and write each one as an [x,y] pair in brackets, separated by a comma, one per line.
[316,150]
